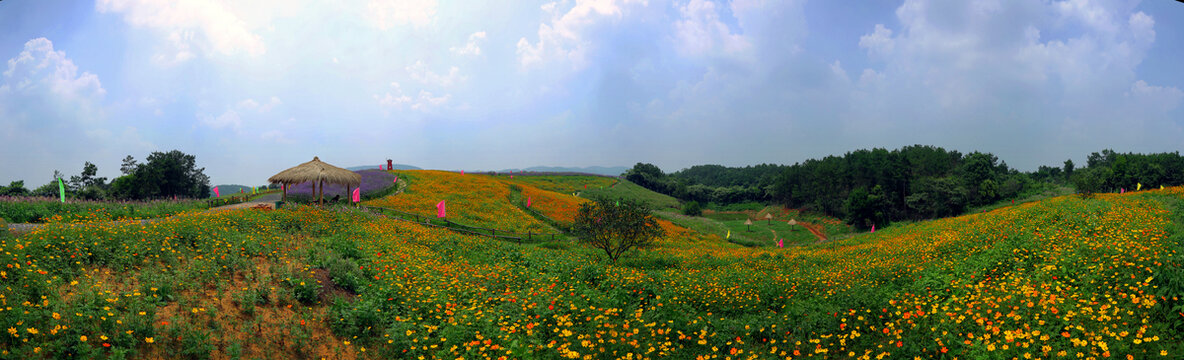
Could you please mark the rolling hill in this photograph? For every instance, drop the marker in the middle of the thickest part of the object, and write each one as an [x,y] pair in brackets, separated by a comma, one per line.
[1099,277]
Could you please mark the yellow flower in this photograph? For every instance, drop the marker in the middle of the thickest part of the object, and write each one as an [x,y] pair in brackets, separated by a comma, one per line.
[12,331]
[149,340]
[57,316]
[82,338]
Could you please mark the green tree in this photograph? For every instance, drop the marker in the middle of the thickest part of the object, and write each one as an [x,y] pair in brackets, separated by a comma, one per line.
[865,208]
[164,175]
[15,188]
[1090,180]
[129,165]
[937,197]
[1068,169]
[615,226]
[88,178]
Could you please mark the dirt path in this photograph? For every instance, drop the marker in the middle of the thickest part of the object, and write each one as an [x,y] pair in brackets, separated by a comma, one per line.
[815,229]
[268,200]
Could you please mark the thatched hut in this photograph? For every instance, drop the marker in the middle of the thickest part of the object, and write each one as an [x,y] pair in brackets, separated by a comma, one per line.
[317,172]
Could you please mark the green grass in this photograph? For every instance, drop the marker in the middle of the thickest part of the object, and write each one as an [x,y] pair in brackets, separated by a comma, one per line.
[41,210]
[565,184]
[761,232]
[1047,193]
[627,189]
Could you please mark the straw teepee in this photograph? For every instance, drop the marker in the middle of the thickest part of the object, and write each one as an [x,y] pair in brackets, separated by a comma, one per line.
[318,172]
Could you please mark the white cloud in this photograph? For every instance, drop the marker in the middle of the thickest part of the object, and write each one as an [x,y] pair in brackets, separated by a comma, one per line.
[700,30]
[251,104]
[471,47]
[276,136]
[563,38]
[189,26]
[879,43]
[229,119]
[420,72]
[53,115]
[38,65]
[396,100]
[235,117]
[428,101]
[974,71]
[386,14]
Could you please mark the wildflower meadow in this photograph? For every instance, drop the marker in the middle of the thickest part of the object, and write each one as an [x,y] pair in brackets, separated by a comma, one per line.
[1060,278]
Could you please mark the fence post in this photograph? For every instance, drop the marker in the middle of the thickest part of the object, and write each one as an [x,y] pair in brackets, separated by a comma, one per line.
[528,235]
[552,237]
[494,231]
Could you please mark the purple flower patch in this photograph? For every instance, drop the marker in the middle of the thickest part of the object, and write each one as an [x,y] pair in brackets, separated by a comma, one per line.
[373,182]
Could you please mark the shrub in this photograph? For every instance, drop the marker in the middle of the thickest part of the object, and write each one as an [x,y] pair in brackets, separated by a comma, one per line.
[616,226]
[692,208]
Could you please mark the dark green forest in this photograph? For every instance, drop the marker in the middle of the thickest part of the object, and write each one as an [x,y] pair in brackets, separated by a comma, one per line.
[917,182]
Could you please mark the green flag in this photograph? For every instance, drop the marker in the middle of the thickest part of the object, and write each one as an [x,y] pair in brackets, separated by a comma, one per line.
[62,190]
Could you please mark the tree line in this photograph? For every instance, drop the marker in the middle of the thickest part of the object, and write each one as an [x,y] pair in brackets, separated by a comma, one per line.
[878,186]
[162,175]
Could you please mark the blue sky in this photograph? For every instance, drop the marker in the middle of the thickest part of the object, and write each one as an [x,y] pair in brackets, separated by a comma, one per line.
[254,87]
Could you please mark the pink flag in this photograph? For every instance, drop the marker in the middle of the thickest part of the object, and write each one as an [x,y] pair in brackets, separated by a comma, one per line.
[873,227]
[527,201]
[216,194]
[780,243]
[585,186]
[396,180]
[440,209]
[1122,191]
[511,176]
[380,167]
[357,195]
[462,172]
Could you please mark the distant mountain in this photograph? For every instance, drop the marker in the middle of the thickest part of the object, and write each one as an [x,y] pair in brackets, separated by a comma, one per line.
[397,167]
[598,170]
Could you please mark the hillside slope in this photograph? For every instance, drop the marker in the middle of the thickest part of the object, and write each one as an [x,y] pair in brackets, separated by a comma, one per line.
[1064,277]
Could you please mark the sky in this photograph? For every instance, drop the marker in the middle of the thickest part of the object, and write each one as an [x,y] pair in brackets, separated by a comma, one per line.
[254,87]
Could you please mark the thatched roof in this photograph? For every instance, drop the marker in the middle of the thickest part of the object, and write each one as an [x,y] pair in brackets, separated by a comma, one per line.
[316,170]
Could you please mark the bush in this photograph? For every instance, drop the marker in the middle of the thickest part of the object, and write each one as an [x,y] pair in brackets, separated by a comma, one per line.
[692,208]
[1089,181]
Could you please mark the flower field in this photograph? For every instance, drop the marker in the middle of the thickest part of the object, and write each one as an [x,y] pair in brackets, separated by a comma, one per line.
[45,210]
[474,200]
[1060,278]
[556,206]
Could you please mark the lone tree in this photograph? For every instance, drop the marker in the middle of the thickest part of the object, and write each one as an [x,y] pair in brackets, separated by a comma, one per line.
[616,226]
